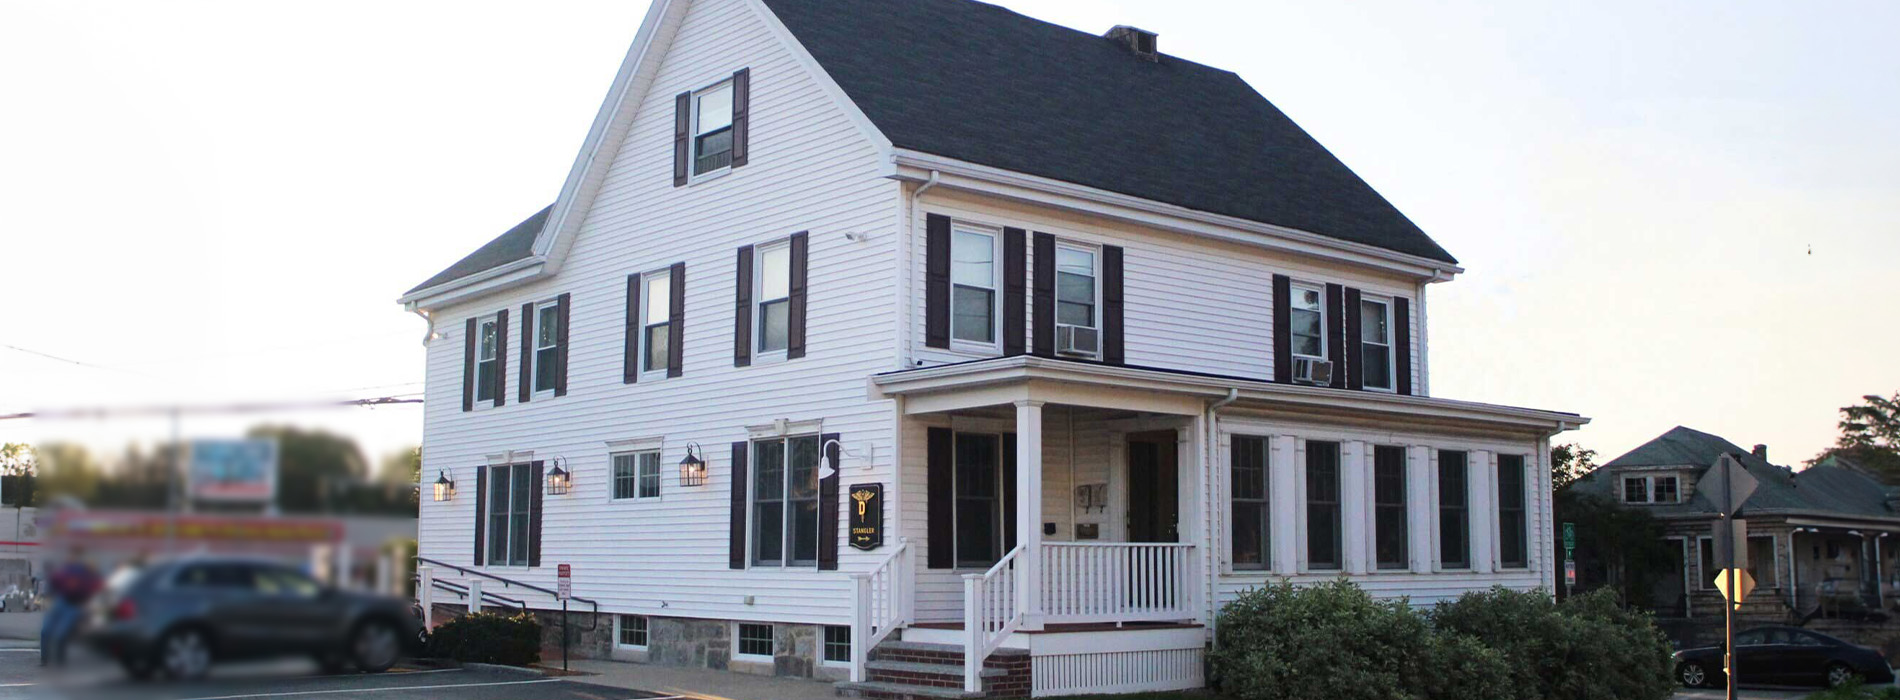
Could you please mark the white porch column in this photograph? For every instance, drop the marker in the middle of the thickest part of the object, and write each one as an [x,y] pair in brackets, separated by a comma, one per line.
[474,595]
[1029,511]
[1484,516]
[1420,507]
[1284,497]
[425,594]
[1353,499]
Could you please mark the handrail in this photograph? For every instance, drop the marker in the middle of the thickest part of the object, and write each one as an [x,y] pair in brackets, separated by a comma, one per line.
[463,592]
[990,615]
[594,618]
[1117,581]
[882,604]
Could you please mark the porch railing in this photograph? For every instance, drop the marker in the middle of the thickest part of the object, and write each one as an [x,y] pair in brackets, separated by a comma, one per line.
[883,604]
[1117,581]
[989,615]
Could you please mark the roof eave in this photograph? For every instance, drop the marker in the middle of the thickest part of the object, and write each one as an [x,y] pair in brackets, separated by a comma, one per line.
[476,284]
[917,166]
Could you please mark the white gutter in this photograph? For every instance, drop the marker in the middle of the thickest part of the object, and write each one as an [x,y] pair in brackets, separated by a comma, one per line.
[1210,449]
[907,316]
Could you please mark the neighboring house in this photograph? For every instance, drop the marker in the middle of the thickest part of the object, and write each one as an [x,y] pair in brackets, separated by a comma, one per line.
[1813,535]
[860,326]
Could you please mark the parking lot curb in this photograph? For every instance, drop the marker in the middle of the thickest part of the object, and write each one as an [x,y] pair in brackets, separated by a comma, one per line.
[500,668]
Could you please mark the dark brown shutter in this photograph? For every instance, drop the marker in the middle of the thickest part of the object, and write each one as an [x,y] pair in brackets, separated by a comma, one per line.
[937,281]
[1402,332]
[1336,333]
[676,321]
[526,374]
[560,343]
[1355,379]
[468,367]
[1009,492]
[741,115]
[481,513]
[501,356]
[795,311]
[735,550]
[742,310]
[1015,292]
[1282,329]
[828,505]
[534,515]
[1042,340]
[940,500]
[682,133]
[630,354]
[1112,348]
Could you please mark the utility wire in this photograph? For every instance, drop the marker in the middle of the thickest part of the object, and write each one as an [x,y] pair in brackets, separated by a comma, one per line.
[251,407]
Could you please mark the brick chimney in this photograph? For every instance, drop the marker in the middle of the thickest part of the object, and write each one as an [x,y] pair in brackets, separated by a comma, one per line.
[1761,452]
[1140,41]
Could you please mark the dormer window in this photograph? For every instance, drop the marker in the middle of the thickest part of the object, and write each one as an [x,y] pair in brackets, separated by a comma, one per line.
[712,128]
[1651,489]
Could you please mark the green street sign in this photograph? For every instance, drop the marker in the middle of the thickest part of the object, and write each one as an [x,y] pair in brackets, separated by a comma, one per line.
[1570,538]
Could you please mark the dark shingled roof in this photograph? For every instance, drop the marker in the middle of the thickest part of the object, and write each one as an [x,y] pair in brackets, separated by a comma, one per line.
[516,244]
[1826,489]
[977,82]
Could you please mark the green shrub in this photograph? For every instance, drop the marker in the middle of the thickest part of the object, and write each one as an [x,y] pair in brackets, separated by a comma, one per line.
[489,638]
[1587,648]
[1334,641]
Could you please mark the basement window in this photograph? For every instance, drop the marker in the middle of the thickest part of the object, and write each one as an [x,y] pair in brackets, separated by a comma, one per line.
[755,640]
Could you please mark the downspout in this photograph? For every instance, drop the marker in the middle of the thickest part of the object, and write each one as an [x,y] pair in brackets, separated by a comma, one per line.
[1209,451]
[906,329]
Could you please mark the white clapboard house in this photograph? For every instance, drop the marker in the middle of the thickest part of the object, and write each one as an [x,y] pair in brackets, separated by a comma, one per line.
[926,346]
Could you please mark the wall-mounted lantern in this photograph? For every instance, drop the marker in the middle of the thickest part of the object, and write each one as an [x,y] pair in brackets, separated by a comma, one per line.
[692,468]
[444,487]
[559,480]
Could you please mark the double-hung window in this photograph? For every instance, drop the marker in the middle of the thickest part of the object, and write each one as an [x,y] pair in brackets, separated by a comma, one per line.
[1375,344]
[785,501]
[1322,505]
[1075,286]
[978,486]
[547,345]
[1252,526]
[510,496]
[1308,322]
[486,378]
[1388,502]
[1513,535]
[1454,519]
[973,286]
[774,297]
[656,322]
[637,475]
[712,129]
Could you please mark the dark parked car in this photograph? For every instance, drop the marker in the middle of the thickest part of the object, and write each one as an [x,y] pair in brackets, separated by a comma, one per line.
[179,617]
[1780,655]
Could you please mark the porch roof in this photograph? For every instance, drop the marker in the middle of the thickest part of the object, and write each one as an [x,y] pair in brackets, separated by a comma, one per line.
[1003,380]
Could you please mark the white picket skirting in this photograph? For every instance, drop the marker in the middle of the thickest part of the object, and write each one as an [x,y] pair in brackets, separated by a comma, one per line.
[883,602]
[990,614]
[1117,581]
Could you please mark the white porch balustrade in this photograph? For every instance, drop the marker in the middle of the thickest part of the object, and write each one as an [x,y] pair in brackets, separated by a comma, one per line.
[1117,582]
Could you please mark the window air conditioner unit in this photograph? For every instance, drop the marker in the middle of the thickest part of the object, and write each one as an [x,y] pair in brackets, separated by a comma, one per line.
[1307,371]
[1078,340]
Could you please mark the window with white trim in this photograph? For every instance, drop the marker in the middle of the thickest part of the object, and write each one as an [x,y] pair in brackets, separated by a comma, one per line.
[1391,549]
[510,496]
[973,286]
[837,644]
[1308,322]
[1324,541]
[1076,290]
[712,129]
[631,631]
[486,377]
[785,501]
[1651,489]
[547,347]
[637,474]
[774,300]
[754,640]
[656,321]
[1249,489]
[1375,344]
[977,478]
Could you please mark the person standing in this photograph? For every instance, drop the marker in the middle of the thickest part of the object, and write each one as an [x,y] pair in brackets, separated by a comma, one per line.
[71,586]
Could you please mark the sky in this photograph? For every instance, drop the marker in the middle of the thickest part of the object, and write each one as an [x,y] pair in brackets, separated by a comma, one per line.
[1669,213]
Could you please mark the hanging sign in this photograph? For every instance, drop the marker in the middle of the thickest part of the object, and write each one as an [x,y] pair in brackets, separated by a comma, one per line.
[867,516]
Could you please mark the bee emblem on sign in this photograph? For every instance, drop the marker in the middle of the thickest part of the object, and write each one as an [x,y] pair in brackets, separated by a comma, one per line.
[867,519]
[863,497]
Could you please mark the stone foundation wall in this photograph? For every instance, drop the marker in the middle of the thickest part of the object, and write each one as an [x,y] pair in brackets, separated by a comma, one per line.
[797,650]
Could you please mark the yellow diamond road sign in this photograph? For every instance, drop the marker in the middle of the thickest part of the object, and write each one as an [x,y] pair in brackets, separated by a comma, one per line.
[1744,585]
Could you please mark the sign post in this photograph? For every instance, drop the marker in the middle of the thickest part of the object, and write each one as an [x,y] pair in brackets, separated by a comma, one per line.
[1732,487]
[564,588]
[1570,559]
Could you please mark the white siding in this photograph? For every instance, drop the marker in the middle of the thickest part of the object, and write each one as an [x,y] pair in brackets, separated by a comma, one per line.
[811,169]
[1191,303]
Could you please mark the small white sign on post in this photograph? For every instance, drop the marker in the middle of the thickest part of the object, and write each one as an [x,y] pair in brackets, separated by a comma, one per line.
[564,582]
[1570,573]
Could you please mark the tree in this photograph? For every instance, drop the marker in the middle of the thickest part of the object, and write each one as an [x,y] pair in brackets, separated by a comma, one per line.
[312,465]
[1870,436]
[1568,462]
[69,471]
[1622,548]
[401,467]
[18,459]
